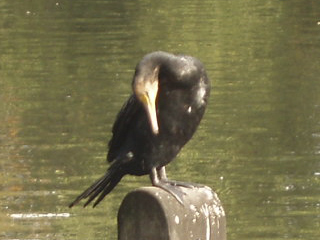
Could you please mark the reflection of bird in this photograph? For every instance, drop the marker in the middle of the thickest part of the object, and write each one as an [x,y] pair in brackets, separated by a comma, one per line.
[170,96]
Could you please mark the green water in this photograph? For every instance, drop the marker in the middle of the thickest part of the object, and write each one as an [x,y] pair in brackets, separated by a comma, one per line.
[66,69]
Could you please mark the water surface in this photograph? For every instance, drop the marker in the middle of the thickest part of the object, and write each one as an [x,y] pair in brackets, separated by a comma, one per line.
[66,69]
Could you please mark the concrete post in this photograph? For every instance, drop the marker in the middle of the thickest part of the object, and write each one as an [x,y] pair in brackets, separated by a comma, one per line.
[150,213]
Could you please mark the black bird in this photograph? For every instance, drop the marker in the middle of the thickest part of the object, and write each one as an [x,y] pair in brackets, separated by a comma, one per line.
[170,94]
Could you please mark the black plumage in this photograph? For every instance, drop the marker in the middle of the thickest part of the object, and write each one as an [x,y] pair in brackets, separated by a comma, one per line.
[170,94]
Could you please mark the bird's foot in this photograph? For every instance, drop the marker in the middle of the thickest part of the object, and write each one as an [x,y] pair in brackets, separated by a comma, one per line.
[175,188]
[182,184]
[172,189]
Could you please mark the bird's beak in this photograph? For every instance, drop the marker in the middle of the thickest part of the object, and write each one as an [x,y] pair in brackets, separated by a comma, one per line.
[149,101]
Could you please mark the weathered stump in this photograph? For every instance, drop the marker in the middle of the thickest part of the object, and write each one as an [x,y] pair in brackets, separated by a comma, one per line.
[150,213]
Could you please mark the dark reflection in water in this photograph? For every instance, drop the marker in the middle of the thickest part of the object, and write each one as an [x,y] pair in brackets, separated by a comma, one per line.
[66,68]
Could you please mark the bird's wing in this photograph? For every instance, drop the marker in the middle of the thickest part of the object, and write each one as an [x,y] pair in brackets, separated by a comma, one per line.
[123,125]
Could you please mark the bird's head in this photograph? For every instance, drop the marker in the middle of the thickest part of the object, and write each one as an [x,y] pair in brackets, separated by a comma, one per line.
[145,87]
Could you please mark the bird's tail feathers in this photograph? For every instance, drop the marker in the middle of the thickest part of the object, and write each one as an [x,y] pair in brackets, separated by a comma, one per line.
[101,187]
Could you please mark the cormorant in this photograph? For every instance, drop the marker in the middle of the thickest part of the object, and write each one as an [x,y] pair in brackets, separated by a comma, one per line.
[170,94]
